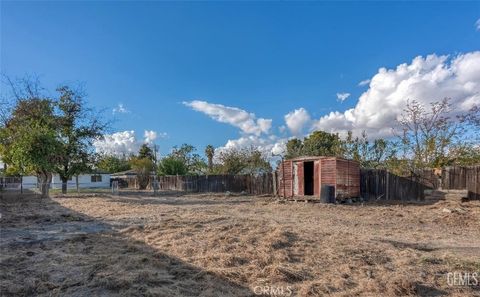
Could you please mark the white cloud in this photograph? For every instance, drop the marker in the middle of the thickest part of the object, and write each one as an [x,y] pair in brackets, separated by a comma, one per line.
[342,96]
[150,136]
[119,143]
[280,147]
[364,82]
[247,122]
[477,25]
[296,120]
[120,108]
[256,131]
[125,143]
[267,145]
[247,141]
[425,79]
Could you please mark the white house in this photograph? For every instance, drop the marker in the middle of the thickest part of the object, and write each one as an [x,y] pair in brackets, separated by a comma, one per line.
[29,182]
[93,180]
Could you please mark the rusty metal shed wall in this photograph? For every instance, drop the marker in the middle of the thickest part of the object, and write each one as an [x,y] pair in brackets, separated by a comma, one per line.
[347,179]
[286,179]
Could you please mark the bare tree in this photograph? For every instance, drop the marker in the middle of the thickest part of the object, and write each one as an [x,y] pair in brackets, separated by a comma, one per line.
[428,135]
[249,160]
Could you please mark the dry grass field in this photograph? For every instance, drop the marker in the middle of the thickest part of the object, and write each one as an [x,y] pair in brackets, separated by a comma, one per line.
[212,245]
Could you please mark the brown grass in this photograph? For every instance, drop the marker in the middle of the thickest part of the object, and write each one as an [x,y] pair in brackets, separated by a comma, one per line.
[210,245]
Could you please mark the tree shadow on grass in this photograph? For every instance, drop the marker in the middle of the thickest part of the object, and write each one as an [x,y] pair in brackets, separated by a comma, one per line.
[47,249]
[146,198]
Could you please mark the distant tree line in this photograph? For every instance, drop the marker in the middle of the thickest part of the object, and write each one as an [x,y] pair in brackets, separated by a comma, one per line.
[184,160]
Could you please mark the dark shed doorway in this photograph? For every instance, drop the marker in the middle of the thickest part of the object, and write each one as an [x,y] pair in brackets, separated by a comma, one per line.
[308,177]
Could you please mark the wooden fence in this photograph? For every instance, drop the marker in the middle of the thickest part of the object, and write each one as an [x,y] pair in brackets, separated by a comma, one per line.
[454,178]
[447,178]
[473,182]
[430,178]
[376,184]
[251,184]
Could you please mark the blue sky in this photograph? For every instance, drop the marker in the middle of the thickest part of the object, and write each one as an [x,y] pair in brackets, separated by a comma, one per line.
[267,58]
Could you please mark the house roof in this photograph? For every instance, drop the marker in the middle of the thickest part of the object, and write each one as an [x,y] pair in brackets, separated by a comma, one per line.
[127,173]
[130,172]
[97,171]
[303,158]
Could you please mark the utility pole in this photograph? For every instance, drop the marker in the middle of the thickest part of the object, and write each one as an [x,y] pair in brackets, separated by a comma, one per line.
[155,167]
[155,147]
[283,178]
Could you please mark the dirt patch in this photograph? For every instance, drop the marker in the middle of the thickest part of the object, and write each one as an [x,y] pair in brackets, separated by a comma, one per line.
[232,246]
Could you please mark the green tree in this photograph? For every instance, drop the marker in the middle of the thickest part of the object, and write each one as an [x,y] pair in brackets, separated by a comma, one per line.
[257,162]
[112,164]
[318,143]
[464,155]
[62,129]
[172,165]
[243,161]
[28,137]
[370,154]
[77,128]
[352,147]
[143,168]
[210,152]
[146,152]
[192,161]
[232,161]
[294,148]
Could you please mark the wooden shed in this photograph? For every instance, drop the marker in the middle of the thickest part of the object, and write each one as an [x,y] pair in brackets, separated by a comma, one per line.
[304,176]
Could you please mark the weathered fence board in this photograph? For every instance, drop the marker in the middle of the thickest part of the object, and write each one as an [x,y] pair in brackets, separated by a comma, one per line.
[473,182]
[430,178]
[383,185]
[448,178]
[454,178]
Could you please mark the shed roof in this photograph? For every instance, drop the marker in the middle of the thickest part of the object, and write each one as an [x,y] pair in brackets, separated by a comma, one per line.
[308,158]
